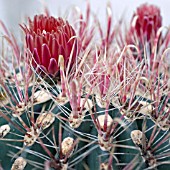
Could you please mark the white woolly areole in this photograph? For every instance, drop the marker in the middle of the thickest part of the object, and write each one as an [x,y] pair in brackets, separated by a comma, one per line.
[147,107]
[66,145]
[31,137]
[137,136]
[44,120]
[101,119]
[105,145]
[61,100]
[76,122]
[4,130]
[41,96]
[20,108]
[104,166]
[19,164]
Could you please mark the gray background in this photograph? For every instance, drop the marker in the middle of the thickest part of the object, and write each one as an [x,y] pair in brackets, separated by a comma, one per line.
[13,12]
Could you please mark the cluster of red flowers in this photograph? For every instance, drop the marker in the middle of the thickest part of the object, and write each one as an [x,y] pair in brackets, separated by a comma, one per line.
[146,21]
[48,37]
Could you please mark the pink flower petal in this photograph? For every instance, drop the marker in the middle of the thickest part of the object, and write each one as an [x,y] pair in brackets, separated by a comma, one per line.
[55,49]
[45,55]
[36,57]
[53,66]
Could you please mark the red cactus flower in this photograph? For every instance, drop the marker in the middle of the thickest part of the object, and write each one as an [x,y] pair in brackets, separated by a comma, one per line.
[147,20]
[47,38]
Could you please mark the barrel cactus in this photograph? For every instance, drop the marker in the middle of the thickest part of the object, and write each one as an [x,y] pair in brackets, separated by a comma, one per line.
[77,96]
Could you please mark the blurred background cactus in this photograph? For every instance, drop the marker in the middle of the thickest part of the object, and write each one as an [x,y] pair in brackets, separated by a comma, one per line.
[77,95]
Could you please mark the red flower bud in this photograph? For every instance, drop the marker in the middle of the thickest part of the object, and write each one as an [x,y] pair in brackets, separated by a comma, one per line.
[47,38]
[146,21]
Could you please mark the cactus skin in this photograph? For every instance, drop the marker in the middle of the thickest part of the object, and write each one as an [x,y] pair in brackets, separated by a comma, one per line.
[108,110]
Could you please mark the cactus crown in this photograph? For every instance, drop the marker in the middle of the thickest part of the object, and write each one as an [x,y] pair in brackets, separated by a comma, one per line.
[80,97]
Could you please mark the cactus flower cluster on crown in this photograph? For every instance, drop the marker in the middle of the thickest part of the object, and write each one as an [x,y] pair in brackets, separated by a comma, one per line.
[146,21]
[47,38]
